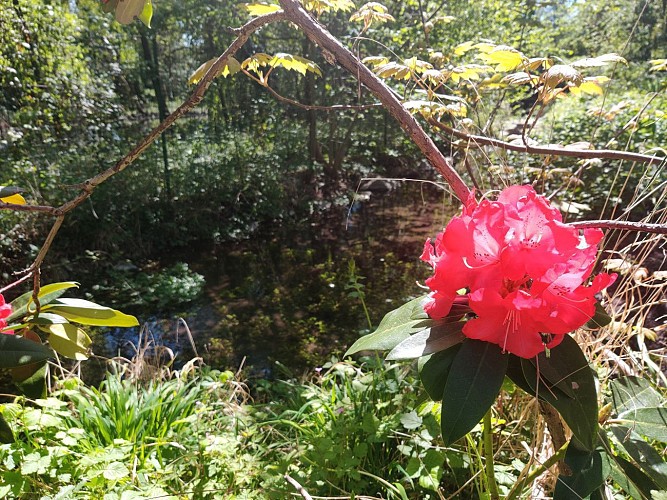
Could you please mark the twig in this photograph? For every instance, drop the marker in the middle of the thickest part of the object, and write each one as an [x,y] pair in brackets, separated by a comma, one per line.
[622,225]
[298,487]
[607,154]
[331,46]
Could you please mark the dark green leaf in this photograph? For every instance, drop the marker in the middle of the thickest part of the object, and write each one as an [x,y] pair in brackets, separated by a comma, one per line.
[632,393]
[599,319]
[578,406]
[394,328]
[434,369]
[6,191]
[47,294]
[6,434]
[474,381]
[589,471]
[648,459]
[17,351]
[437,338]
[33,386]
[630,478]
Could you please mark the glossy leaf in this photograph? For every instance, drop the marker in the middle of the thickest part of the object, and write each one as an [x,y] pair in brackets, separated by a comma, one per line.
[47,294]
[436,338]
[18,351]
[589,471]
[395,327]
[645,456]
[146,13]
[434,370]
[89,313]
[633,393]
[474,382]
[568,384]
[69,341]
[46,319]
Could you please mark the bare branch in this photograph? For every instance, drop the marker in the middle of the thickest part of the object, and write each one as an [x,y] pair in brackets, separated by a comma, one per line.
[607,154]
[622,225]
[328,44]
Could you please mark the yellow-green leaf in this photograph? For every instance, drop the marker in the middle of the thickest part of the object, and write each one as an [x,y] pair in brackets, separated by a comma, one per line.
[89,313]
[261,8]
[232,66]
[147,13]
[462,48]
[658,64]
[295,63]
[69,341]
[504,57]
[561,73]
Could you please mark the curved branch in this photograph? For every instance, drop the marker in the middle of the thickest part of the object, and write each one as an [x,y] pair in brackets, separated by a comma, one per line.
[607,154]
[332,48]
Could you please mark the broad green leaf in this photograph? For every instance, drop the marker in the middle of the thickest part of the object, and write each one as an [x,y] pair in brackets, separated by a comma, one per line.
[395,327]
[232,67]
[47,294]
[633,393]
[474,382]
[69,341]
[631,478]
[647,422]
[436,338]
[6,434]
[644,455]
[33,382]
[578,406]
[589,471]
[411,420]
[146,13]
[261,8]
[115,471]
[434,370]
[89,313]
[127,10]
[18,351]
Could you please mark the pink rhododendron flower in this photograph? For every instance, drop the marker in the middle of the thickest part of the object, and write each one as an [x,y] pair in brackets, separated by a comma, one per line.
[523,270]
[5,311]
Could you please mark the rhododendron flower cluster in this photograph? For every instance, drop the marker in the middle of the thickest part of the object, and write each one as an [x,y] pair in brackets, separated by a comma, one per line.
[5,311]
[521,269]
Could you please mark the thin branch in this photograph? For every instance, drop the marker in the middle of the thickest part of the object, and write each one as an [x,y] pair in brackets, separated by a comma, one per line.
[302,491]
[333,48]
[622,225]
[312,107]
[14,207]
[607,154]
